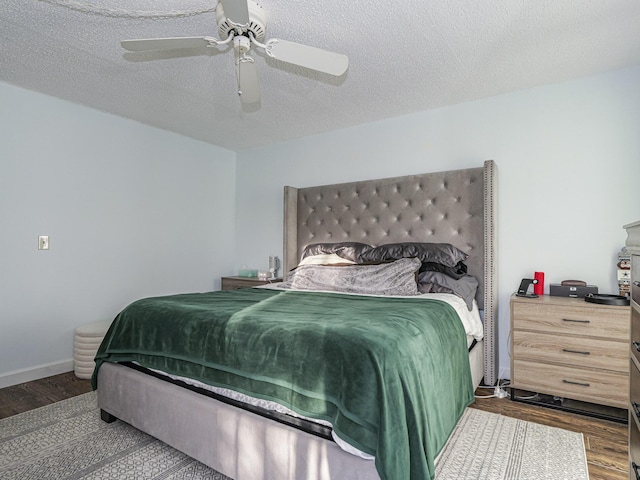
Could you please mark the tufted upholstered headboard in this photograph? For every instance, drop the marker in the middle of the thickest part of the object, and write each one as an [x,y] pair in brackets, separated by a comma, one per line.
[456,207]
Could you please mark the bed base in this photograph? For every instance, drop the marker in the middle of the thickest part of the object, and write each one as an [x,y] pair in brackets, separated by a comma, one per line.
[233,441]
[240,444]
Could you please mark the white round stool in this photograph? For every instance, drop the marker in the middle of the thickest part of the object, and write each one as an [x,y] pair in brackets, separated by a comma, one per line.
[85,345]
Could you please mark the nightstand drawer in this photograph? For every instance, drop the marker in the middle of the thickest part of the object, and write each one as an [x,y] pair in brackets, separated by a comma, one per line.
[586,385]
[574,351]
[577,319]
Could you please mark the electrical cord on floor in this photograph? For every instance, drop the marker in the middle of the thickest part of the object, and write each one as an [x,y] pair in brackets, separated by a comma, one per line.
[498,391]
[530,397]
[487,396]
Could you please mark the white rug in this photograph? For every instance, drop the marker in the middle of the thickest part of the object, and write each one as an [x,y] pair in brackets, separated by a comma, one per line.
[489,446]
[67,440]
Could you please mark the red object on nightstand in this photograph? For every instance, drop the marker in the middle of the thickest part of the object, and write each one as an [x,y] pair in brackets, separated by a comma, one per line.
[538,288]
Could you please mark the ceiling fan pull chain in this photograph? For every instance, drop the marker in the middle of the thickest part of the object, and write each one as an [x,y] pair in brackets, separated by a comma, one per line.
[123,13]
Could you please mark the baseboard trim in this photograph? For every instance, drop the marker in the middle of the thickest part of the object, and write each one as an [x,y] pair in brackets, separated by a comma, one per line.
[35,373]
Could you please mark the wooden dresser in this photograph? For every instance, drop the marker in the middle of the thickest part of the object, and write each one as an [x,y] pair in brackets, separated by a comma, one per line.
[633,246]
[235,283]
[570,348]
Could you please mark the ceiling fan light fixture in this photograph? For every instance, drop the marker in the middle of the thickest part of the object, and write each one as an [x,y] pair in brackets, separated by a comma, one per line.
[241,44]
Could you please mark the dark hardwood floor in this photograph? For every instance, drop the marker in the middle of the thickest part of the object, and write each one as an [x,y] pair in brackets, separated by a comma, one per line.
[605,441]
[27,396]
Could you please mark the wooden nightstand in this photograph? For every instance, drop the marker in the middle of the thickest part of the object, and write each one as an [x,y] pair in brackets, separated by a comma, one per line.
[570,349]
[235,283]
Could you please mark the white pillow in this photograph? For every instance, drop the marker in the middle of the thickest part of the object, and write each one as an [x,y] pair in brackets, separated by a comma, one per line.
[325,259]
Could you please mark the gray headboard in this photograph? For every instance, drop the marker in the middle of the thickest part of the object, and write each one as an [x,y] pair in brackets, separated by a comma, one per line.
[456,207]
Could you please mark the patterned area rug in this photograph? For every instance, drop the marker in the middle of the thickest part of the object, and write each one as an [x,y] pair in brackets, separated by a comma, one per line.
[489,446]
[67,440]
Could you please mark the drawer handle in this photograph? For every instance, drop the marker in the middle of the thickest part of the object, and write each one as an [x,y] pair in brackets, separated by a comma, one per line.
[636,345]
[575,321]
[575,351]
[635,469]
[576,383]
[635,410]
[636,283]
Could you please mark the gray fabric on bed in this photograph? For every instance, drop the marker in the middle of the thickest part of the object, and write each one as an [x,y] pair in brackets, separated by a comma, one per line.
[393,278]
[436,282]
[347,250]
[239,444]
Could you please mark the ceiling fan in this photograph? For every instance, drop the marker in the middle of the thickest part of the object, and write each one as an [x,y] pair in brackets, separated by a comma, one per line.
[243,22]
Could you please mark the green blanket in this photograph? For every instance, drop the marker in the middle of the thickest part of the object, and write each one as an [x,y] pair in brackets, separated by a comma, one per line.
[391,374]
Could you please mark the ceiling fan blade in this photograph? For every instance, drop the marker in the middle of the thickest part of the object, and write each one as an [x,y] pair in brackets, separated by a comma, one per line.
[309,57]
[170,43]
[248,86]
[236,10]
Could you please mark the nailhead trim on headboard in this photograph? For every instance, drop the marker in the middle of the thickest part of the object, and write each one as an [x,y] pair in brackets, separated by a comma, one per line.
[490,274]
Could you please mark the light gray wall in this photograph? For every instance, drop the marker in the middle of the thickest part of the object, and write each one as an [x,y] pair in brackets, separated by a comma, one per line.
[134,211]
[568,159]
[131,211]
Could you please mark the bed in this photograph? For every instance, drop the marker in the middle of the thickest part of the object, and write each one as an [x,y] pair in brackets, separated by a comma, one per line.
[454,207]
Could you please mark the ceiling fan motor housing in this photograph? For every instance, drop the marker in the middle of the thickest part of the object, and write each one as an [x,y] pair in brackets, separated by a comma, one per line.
[257,22]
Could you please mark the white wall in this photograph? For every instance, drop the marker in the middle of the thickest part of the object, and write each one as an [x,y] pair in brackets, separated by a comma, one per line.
[131,211]
[134,211]
[568,159]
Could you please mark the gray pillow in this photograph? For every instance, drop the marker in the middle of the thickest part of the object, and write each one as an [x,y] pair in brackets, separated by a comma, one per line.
[442,253]
[459,271]
[436,282]
[394,278]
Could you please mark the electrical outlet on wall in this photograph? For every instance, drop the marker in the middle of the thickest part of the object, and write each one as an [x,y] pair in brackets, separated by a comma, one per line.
[43,242]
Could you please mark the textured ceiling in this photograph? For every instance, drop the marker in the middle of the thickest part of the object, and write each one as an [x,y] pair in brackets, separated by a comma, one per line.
[404,57]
